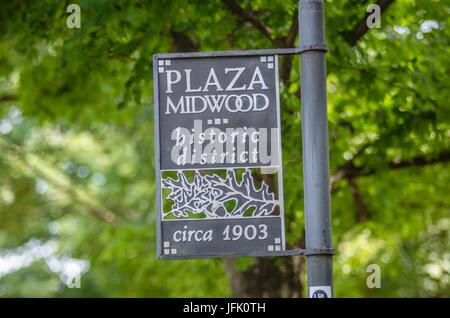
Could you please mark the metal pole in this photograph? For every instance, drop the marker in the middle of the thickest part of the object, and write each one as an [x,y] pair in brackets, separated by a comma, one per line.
[315,147]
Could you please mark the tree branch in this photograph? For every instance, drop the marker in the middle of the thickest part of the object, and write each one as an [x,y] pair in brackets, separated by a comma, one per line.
[289,42]
[283,42]
[8,98]
[183,43]
[250,17]
[32,165]
[361,28]
[362,210]
[293,30]
[420,161]
[349,170]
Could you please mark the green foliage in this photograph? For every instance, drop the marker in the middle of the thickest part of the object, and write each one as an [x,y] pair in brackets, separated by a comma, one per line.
[76,142]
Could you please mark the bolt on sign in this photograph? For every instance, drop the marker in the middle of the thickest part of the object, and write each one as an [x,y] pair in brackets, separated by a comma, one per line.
[218,155]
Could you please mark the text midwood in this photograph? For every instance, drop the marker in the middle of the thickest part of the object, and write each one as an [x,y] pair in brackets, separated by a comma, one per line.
[223,97]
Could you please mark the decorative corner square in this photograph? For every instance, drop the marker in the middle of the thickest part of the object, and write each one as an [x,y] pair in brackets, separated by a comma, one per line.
[277,240]
[270,248]
[166,244]
[270,66]
[263,59]
[161,62]
[210,121]
[277,247]
[173,250]
[166,251]
[225,121]
[270,59]
[217,121]
[161,69]
[167,62]
[268,170]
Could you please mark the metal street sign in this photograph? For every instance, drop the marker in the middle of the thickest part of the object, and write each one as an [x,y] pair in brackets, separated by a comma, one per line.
[218,155]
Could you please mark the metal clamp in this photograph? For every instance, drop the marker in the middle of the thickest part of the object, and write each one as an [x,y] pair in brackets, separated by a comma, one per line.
[313,47]
[319,251]
[284,253]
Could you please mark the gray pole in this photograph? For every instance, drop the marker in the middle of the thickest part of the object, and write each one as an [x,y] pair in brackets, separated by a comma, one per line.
[315,148]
